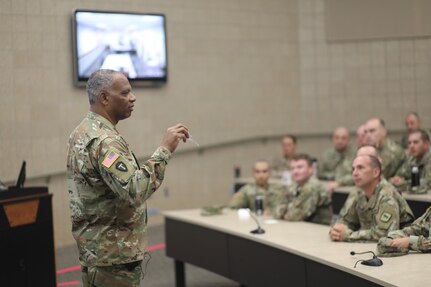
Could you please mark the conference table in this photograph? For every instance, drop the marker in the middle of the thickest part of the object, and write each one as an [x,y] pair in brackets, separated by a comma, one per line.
[287,254]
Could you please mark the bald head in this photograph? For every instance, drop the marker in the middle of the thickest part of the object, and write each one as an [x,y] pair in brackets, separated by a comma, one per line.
[375,132]
[341,139]
[368,150]
[413,122]
[261,172]
[366,173]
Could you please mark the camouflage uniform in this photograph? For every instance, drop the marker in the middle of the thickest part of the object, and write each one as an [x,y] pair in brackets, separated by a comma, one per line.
[279,166]
[418,233]
[310,202]
[246,197]
[392,156]
[404,143]
[337,166]
[404,172]
[370,219]
[108,192]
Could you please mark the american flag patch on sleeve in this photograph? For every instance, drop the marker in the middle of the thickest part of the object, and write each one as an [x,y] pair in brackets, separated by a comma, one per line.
[110,159]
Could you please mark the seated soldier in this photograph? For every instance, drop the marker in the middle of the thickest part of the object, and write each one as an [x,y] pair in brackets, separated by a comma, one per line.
[413,124]
[307,199]
[336,163]
[420,159]
[373,208]
[360,136]
[245,197]
[414,237]
[281,165]
[392,154]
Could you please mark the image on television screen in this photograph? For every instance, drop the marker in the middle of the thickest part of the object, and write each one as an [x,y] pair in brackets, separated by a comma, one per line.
[134,44]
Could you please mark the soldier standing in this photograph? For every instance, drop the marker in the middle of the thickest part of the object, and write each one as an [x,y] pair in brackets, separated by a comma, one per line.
[107,187]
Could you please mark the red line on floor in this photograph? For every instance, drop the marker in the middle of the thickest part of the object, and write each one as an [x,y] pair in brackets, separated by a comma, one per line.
[156,246]
[69,269]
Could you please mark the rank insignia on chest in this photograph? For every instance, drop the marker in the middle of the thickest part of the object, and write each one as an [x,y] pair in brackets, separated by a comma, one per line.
[121,166]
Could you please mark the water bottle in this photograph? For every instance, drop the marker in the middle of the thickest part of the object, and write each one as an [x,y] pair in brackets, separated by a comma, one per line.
[259,205]
[315,175]
[415,177]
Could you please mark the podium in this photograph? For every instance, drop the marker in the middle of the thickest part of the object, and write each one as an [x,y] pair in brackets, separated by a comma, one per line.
[26,238]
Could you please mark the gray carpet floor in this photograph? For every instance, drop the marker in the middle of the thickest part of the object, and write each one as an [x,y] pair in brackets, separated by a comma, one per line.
[160,269]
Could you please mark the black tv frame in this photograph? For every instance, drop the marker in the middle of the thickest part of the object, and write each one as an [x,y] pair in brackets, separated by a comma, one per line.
[140,82]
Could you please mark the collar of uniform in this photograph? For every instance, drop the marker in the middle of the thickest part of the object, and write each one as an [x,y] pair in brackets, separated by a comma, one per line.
[297,189]
[263,190]
[384,145]
[389,144]
[374,198]
[425,159]
[345,152]
[96,117]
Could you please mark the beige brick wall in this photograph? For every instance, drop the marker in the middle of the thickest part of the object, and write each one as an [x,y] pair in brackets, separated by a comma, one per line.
[348,82]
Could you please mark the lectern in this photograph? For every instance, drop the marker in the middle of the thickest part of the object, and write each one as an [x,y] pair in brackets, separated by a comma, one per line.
[26,238]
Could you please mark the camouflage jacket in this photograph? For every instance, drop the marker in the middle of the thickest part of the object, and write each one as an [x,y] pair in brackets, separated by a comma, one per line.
[108,192]
[246,197]
[404,143]
[370,219]
[418,233]
[310,202]
[337,166]
[393,157]
[424,166]
[279,165]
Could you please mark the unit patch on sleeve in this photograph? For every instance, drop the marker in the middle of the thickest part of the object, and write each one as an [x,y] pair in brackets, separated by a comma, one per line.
[385,217]
[121,166]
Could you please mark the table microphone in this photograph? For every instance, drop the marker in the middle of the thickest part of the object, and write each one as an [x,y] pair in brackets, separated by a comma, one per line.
[258,230]
[375,261]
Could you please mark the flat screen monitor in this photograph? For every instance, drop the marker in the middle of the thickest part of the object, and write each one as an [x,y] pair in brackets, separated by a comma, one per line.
[132,43]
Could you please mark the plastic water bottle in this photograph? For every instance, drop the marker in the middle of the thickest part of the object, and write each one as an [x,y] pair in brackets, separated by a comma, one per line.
[415,176]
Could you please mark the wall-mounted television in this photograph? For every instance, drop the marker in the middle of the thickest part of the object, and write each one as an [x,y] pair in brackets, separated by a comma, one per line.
[132,43]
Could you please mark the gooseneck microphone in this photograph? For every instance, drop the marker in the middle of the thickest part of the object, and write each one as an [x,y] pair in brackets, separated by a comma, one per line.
[375,261]
[258,230]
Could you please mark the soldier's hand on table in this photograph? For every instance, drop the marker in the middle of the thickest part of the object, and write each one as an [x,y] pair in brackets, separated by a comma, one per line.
[174,135]
[400,242]
[338,232]
[267,212]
